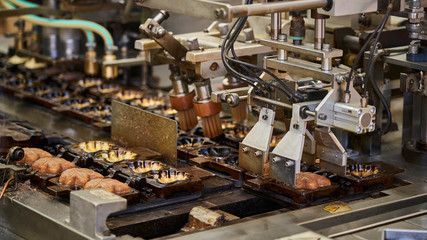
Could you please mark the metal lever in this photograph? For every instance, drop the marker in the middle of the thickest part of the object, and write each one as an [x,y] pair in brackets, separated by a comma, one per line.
[152,29]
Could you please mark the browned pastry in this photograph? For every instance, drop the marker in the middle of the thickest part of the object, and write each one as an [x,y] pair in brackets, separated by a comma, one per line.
[312,181]
[110,185]
[33,154]
[362,171]
[78,176]
[52,165]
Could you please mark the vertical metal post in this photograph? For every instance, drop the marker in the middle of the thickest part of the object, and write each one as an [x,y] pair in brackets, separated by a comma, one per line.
[276,25]
[319,32]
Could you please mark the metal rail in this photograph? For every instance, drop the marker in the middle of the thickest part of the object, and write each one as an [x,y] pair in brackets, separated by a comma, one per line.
[226,12]
[259,9]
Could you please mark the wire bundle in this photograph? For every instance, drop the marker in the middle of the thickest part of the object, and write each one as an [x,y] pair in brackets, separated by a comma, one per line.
[371,62]
[250,73]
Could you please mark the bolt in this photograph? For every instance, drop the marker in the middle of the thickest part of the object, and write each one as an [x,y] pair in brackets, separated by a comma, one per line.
[358,129]
[326,47]
[295,126]
[161,16]
[372,110]
[359,111]
[214,66]
[289,163]
[264,117]
[257,153]
[371,127]
[276,159]
[245,149]
[283,37]
[322,116]
[219,13]
[341,79]
[159,32]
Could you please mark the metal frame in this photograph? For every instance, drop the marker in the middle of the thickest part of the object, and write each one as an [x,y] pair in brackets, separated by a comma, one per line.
[226,12]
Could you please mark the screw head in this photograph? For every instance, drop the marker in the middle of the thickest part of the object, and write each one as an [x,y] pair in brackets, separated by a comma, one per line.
[159,32]
[322,116]
[264,117]
[245,149]
[358,129]
[219,13]
[257,153]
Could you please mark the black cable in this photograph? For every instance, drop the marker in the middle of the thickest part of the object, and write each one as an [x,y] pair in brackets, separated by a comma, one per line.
[362,50]
[228,45]
[377,91]
[227,66]
[380,95]
[375,44]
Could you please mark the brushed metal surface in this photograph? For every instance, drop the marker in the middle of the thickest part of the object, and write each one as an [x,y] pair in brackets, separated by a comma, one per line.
[134,127]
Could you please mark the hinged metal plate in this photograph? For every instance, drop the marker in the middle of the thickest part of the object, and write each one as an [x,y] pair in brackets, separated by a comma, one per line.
[135,127]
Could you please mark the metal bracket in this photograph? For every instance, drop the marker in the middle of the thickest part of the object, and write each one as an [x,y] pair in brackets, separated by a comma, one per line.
[89,210]
[332,155]
[285,160]
[253,150]
[156,32]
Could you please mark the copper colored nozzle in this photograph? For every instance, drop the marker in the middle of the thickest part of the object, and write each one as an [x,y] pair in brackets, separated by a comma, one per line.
[240,112]
[187,119]
[109,72]
[212,126]
[91,66]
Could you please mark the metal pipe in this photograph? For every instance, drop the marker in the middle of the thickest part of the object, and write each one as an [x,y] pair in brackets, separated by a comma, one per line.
[326,64]
[276,25]
[272,102]
[280,104]
[260,9]
[319,32]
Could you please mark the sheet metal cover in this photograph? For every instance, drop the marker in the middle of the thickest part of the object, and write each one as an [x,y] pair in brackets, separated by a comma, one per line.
[135,127]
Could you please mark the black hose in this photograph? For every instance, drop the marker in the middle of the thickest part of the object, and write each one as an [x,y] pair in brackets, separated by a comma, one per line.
[377,91]
[251,77]
[375,45]
[367,43]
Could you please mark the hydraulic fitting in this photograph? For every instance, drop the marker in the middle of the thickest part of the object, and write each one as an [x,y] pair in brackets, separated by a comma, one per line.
[91,65]
[239,112]
[109,72]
